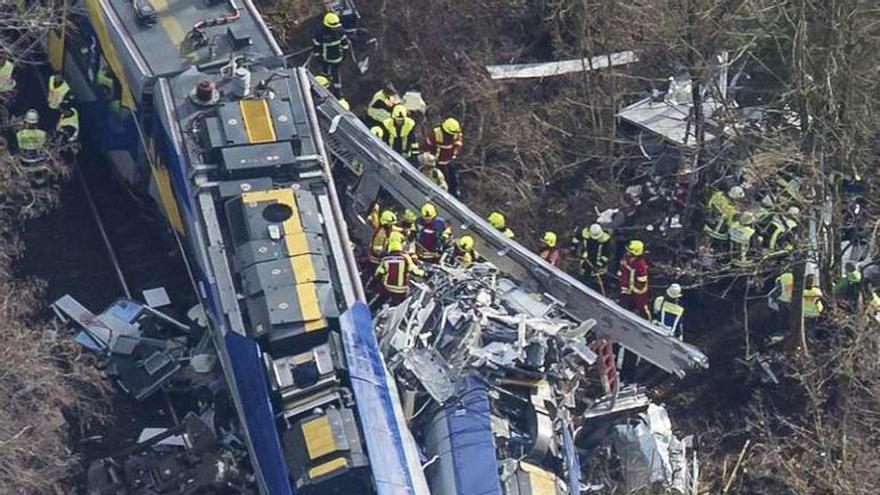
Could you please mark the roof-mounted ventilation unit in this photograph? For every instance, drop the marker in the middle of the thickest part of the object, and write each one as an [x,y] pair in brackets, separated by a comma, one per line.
[144,12]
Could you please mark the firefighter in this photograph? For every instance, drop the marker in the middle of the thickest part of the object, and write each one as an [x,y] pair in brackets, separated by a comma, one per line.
[59,93]
[7,81]
[407,225]
[849,288]
[445,142]
[778,236]
[330,44]
[549,252]
[462,253]
[67,128]
[668,311]
[399,132]
[813,304]
[780,300]
[382,103]
[497,220]
[432,234]
[31,140]
[594,256]
[633,276]
[428,166]
[720,210]
[742,240]
[380,237]
[393,273]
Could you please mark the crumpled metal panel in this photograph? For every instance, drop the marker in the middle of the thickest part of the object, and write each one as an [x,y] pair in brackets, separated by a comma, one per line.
[382,434]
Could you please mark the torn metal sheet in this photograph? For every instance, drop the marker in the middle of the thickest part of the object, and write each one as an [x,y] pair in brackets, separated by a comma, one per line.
[549,69]
[670,119]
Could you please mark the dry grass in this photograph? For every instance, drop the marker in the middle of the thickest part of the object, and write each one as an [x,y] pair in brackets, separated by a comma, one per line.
[45,385]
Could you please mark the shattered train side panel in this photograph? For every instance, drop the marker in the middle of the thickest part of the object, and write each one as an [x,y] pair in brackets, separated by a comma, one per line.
[460,436]
[379,167]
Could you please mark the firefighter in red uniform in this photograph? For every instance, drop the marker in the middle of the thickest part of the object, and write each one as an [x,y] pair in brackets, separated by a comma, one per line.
[444,142]
[549,252]
[394,271]
[432,234]
[387,221]
[633,276]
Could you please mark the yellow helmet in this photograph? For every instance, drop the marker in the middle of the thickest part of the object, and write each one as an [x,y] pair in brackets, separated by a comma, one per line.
[466,243]
[549,239]
[429,211]
[399,112]
[395,243]
[451,126]
[387,218]
[409,216]
[345,104]
[323,80]
[377,131]
[636,247]
[331,20]
[497,220]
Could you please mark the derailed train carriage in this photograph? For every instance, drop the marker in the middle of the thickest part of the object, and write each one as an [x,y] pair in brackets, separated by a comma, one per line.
[194,106]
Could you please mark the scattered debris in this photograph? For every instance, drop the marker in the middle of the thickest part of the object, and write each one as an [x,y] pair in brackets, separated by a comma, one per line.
[548,69]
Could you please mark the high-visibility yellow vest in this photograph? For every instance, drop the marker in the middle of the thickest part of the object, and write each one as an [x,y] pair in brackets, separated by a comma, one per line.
[668,313]
[399,139]
[57,94]
[71,122]
[7,83]
[812,305]
[786,285]
[740,242]
[381,105]
[31,139]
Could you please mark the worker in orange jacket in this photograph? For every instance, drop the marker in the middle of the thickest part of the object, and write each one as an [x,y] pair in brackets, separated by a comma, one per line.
[633,277]
[445,142]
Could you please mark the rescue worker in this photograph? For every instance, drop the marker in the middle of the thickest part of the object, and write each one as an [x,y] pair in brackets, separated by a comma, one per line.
[432,234]
[378,132]
[399,132]
[849,288]
[7,81]
[549,252]
[742,240]
[594,256]
[445,142]
[386,226]
[497,220]
[668,311]
[393,273]
[382,103]
[781,300]
[633,276]
[462,253]
[720,210]
[408,224]
[427,166]
[323,80]
[59,93]
[330,44]
[67,128]
[345,104]
[31,139]
[778,236]
[813,304]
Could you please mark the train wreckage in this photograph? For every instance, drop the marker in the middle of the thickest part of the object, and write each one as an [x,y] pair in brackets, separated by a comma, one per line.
[499,378]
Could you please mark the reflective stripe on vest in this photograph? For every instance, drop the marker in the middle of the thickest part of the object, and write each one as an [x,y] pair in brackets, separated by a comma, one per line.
[57,94]
[70,122]
[7,83]
[670,313]
[31,139]
[396,274]
[429,240]
[399,141]
[377,244]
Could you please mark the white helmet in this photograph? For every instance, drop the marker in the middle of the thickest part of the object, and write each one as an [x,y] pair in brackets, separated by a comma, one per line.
[674,291]
[596,231]
[736,192]
[32,117]
[794,211]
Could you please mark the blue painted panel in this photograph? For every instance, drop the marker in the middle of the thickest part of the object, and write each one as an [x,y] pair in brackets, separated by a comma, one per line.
[471,441]
[250,378]
[374,403]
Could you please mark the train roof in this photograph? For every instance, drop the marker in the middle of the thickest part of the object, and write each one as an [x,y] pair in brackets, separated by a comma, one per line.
[166,46]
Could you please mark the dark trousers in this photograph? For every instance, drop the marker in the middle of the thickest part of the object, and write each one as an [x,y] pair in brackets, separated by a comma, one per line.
[450,170]
[331,70]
